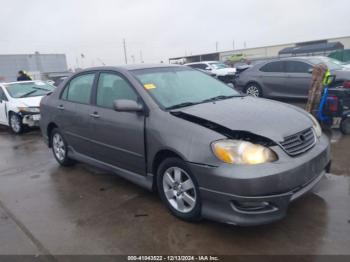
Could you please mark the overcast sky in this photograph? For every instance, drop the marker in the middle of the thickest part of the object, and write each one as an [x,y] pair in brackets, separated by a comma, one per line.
[162,28]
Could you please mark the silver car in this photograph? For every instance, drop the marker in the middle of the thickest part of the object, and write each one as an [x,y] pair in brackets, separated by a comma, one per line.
[207,150]
[288,77]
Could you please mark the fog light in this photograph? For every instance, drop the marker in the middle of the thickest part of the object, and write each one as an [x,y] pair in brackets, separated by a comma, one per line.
[253,206]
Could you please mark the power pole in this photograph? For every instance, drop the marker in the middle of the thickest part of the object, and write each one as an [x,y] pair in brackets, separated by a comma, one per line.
[233,45]
[141,57]
[125,56]
[216,46]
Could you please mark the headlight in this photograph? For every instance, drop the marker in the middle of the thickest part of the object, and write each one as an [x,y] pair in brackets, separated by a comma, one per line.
[316,126]
[242,152]
[29,109]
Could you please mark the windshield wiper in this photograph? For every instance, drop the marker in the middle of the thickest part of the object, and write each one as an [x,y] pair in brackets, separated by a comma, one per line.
[40,88]
[182,105]
[29,93]
[217,98]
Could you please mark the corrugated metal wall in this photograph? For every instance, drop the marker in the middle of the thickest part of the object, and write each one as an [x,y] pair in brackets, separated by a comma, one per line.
[44,63]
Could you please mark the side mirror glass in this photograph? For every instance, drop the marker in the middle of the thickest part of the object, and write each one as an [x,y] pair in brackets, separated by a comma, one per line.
[125,105]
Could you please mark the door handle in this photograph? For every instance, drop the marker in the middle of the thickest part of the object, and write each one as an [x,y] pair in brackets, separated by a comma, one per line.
[61,107]
[95,115]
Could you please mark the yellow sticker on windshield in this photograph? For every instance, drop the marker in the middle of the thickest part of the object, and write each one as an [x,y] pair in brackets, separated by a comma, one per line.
[149,86]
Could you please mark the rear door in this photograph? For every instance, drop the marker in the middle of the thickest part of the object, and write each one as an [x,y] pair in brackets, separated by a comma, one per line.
[73,107]
[118,137]
[298,78]
[272,77]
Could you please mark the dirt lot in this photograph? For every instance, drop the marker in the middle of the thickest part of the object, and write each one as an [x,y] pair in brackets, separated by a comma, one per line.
[47,209]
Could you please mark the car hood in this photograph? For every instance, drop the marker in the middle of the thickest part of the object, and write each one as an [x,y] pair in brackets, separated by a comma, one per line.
[28,101]
[267,118]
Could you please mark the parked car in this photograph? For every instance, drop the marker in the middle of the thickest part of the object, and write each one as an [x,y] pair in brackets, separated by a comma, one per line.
[222,71]
[19,103]
[207,150]
[288,77]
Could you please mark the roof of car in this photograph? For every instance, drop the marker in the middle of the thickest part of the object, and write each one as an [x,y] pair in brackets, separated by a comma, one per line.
[202,62]
[132,67]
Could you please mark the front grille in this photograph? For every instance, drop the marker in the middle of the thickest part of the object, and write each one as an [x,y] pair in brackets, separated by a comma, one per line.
[299,143]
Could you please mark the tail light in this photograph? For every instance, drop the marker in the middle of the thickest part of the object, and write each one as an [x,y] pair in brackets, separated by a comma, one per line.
[333,103]
[346,84]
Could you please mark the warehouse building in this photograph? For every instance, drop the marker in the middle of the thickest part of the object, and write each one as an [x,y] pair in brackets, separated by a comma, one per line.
[39,66]
[317,47]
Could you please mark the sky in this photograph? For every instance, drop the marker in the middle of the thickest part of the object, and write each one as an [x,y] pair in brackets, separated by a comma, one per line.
[155,30]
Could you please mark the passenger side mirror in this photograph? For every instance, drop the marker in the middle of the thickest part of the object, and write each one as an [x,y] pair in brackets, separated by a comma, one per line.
[310,70]
[125,105]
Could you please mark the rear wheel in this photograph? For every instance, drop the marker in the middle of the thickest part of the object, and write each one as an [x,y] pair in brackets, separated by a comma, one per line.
[16,123]
[345,126]
[60,148]
[178,189]
[253,89]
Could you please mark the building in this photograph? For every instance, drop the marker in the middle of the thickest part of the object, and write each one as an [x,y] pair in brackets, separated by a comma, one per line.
[316,47]
[39,66]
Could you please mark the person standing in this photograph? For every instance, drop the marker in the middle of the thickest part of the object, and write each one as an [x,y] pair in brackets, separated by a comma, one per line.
[23,76]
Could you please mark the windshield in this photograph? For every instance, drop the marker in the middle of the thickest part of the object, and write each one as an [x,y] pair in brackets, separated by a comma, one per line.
[177,86]
[28,89]
[331,63]
[218,65]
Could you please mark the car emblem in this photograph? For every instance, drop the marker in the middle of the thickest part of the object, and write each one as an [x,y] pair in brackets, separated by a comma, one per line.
[301,138]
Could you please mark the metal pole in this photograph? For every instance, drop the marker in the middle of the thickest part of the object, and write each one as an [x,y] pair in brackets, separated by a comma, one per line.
[125,56]
[216,46]
[141,56]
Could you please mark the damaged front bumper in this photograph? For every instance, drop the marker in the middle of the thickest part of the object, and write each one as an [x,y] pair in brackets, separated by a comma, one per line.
[260,194]
[30,119]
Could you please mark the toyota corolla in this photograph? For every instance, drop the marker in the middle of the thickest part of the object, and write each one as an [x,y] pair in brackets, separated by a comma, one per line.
[208,151]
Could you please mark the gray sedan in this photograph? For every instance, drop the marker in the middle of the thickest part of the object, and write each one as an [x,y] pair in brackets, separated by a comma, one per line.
[288,77]
[207,150]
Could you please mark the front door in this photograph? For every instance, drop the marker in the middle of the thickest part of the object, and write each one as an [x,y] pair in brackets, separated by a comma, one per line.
[273,78]
[298,78]
[3,107]
[118,137]
[73,117]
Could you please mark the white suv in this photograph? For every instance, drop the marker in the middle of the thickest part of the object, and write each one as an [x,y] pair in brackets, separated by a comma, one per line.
[222,71]
[20,103]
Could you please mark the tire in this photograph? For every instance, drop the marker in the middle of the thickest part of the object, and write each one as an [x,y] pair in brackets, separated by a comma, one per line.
[60,148]
[178,189]
[16,124]
[345,126]
[253,89]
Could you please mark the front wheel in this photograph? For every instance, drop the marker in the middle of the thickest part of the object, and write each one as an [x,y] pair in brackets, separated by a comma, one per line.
[60,148]
[345,126]
[16,123]
[178,189]
[253,89]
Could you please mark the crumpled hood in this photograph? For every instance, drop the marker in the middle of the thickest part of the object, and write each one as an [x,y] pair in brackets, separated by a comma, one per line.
[267,118]
[29,101]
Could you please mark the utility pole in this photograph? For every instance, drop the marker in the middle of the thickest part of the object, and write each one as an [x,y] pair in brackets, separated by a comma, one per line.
[133,59]
[245,44]
[141,57]
[216,46]
[233,45]
[125,56]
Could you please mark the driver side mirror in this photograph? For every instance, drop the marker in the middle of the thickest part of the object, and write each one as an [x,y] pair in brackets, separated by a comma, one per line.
[125,105]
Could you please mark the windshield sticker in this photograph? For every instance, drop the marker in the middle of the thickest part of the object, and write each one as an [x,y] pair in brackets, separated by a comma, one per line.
[149,86]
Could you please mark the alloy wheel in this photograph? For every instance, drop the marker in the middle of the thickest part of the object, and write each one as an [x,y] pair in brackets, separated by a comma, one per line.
[179,189]
[59,147]
[15,123]
[253,91]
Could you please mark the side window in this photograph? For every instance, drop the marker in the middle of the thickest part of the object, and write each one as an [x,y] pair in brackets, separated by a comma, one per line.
[194,66]
[275,67]
[112,87]
[297,67]
[79,89]
[202,66]
[2,95]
